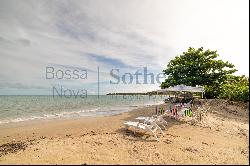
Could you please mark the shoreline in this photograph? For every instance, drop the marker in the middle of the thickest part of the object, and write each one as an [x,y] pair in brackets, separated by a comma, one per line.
[59,119]
[103,140]
[44,112]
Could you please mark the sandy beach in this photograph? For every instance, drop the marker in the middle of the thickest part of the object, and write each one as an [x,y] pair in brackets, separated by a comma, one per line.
[220,138]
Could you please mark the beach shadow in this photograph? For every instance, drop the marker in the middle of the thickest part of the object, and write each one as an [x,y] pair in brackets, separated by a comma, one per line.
[132,135]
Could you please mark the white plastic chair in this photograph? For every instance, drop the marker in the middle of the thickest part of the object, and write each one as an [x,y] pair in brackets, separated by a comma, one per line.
[159,120]
[151,127]
[155,118]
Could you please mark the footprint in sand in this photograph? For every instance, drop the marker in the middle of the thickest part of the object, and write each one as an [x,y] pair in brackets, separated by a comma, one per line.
[205,143]
[190,150]
[167,141]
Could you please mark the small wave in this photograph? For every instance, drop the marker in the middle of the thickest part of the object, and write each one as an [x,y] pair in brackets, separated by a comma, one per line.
[160,102]
[66,114]
[20,119]
[154,103]
[48,116]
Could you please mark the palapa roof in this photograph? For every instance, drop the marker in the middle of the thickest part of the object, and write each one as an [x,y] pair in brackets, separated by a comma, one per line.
[183,88]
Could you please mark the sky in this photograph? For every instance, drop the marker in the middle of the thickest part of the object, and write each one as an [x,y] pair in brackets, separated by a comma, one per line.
[94,38]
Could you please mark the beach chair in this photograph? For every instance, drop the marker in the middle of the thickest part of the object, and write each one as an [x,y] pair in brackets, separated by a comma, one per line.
[152,127]
[184,112]
[158,119]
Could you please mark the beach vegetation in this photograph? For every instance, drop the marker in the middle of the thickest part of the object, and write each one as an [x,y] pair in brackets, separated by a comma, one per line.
[202,67]
[236,89]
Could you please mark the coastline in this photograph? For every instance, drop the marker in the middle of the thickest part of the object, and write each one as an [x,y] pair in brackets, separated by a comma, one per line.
[37,108]
[103,140]
[60,124]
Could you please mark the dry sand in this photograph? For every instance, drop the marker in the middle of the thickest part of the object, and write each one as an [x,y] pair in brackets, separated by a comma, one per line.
[220,138]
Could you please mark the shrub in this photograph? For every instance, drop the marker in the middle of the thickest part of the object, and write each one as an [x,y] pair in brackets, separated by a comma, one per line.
[237,89]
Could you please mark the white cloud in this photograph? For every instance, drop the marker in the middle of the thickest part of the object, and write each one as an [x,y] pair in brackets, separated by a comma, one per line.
[36,34]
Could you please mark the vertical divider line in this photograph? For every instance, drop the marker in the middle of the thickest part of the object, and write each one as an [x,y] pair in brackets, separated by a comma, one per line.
[98,81]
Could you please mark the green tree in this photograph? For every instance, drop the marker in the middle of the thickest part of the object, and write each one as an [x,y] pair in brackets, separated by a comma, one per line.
[198,67]
[236,88]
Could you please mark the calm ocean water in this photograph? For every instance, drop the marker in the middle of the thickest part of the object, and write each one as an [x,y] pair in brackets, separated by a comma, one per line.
[25,108]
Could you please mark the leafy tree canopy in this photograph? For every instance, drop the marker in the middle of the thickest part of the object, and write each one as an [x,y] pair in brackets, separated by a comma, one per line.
[197,67]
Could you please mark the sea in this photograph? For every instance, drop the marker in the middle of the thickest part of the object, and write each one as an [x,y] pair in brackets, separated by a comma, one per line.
[27,108]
